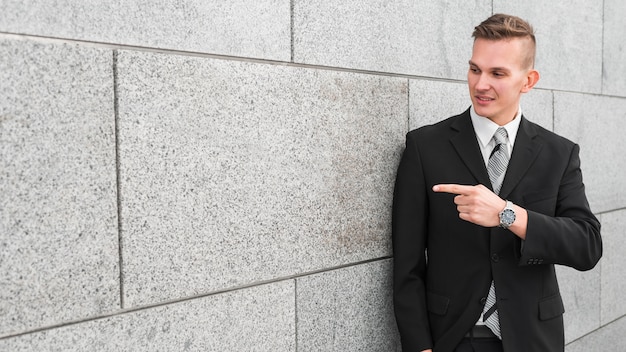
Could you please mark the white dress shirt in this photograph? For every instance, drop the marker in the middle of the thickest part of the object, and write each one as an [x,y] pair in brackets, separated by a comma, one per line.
[485,129]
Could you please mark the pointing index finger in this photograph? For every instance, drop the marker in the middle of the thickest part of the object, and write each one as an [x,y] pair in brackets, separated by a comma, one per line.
[451,188]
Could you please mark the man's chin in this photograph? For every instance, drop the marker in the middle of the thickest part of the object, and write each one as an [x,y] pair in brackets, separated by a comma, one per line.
[483,111]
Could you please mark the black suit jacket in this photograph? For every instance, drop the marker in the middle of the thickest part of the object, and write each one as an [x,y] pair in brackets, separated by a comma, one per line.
[443,266]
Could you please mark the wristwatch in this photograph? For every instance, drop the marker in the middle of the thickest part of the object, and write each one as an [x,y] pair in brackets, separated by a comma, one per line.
[507,215]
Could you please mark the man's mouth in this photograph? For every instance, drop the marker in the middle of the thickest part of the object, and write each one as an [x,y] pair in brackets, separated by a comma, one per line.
[484,98]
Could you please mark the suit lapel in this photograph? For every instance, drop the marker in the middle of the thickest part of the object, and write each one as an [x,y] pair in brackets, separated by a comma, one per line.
[466,145]
[524,153]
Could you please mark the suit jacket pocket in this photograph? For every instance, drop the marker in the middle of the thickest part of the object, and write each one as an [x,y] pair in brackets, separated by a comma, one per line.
[551,307]
[437,304]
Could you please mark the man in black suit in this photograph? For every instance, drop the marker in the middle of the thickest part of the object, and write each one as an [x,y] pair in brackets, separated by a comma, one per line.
[485,203]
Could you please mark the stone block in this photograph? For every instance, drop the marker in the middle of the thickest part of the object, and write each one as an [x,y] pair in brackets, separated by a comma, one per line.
[569,41]
[257,29]
[260,318]
[613,266]
[537,106]
[434,101]
[428,38]
[235,172]
[581,297]
[610,338]
[58,214]
[596,123]
[614,49]
[348,309]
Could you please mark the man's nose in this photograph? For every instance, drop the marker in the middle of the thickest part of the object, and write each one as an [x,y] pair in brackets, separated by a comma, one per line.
[483,82]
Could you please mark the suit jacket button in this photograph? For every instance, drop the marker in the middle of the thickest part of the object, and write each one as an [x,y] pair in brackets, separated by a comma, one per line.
[495,257]
[483,301]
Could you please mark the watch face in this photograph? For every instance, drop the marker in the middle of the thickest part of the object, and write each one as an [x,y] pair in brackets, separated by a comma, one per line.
[508,217]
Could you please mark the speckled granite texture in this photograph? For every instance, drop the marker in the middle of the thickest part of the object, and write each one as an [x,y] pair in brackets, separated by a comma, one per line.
[206,175]
[259,29]
[58,215]
[235,172]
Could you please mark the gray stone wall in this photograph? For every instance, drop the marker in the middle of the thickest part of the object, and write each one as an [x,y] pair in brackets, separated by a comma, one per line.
[217,176]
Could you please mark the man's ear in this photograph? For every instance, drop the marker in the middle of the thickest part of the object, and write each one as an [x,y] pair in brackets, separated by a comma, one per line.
[532,77]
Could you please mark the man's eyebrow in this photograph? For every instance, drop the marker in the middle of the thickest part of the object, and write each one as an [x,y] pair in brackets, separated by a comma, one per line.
[491,68]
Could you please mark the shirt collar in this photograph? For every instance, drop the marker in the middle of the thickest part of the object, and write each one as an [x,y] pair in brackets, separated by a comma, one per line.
[485,128]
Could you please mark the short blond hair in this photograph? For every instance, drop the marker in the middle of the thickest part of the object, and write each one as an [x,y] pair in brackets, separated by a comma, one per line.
[505,27]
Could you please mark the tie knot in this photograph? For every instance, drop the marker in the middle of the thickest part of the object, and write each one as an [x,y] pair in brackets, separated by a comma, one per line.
[501,135]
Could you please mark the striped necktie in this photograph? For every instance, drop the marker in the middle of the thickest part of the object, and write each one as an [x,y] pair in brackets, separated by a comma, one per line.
[496,167]
[499,159]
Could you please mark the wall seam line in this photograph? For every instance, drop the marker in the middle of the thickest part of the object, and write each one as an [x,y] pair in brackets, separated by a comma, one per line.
[596,330]
[190,298]
[291,19]
[610,211]
[278,62]
[408,105]
[553,111]
[602,50]
[229,57]
[117,178]
[295,302]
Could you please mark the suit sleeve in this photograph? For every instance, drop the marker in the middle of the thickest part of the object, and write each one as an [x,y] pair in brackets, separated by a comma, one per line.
[410,211]
[572,236]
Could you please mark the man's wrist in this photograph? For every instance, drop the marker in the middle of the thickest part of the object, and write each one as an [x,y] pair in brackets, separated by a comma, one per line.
[520,225]
[507,215]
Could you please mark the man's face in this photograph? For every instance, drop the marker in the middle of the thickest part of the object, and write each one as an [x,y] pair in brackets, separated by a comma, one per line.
[497,77]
